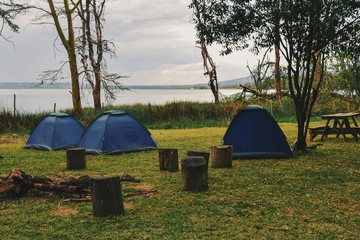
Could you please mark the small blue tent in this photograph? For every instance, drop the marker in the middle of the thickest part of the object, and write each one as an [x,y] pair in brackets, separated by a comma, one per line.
[55,132]
[116,132]
[254,133]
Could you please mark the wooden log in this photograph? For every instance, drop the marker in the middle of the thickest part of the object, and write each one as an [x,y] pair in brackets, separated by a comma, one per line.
[15,185]
[19,184]
[106,196]
[221,156]
[194,173]
[168,159]
[75,158]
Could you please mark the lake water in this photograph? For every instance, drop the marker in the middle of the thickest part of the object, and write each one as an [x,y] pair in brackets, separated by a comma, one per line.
[40,100]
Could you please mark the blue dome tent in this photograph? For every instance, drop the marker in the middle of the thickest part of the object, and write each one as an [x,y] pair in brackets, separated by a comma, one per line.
[254,133]
[56,131]
[116,132]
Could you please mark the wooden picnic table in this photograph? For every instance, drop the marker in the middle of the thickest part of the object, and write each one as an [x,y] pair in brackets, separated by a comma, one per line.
[340,126]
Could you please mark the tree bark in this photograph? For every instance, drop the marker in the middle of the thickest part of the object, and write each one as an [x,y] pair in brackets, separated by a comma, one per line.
[106,196]
[222,156]
[277,73]
[168,159]
[194,173]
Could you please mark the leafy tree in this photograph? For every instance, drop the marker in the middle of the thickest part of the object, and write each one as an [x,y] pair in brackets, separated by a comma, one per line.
[347,64]
[347,74]
[8,12]
[305,29]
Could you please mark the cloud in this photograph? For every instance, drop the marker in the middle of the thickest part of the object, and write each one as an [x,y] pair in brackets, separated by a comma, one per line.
[155,44]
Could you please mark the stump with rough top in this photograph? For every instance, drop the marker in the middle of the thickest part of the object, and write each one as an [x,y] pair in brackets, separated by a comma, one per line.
[204,154]
[221,156]
[194,173]
[106,196]
[168,159]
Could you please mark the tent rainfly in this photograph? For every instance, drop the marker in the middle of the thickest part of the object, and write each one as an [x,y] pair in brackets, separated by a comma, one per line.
[56,131]
[116,132]
[254,133]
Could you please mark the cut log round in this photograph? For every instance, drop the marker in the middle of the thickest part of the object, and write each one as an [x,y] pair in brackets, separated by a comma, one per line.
[222,156]
[106,196]
[204,154]
[75,158]
[194,173]
[168,159]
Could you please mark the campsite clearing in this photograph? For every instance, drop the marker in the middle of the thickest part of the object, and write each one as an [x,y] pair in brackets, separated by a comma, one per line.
[312,196]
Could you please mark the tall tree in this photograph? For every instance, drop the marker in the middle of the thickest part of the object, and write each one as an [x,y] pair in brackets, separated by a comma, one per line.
[199,19]
[305,27]
[67,36]
[92,49]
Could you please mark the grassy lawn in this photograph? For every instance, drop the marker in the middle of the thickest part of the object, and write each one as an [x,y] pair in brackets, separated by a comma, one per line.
[314,196]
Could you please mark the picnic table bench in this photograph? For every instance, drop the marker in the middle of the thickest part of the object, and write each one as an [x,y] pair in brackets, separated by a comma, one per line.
[341,126]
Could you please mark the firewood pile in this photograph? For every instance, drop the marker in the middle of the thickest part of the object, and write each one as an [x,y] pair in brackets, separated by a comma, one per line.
[18,184]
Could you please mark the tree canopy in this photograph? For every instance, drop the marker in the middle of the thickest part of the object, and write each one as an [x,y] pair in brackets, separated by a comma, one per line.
[8,12]
[306,31]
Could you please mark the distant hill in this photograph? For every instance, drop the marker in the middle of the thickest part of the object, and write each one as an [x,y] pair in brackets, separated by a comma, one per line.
[62,85]
[29,85]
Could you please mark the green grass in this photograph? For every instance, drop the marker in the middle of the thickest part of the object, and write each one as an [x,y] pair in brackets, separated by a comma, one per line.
[314,196]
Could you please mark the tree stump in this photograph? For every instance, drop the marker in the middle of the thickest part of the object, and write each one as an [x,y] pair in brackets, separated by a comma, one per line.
[76,158]
[204,154]
[106,196]
[222,156]
[194,173]
[168,159]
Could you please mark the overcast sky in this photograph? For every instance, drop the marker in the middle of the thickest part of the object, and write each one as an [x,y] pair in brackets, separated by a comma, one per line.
[155,44]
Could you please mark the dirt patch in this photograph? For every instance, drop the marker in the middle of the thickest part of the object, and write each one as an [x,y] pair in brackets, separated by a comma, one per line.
[4,212]
[63,212]
[129,206]
[4,140]
[145,187]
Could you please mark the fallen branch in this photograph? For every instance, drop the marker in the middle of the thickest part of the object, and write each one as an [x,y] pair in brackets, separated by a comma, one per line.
[18,184]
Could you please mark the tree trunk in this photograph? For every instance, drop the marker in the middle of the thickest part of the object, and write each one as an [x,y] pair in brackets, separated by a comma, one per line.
[75,158]
[71,50]
[300,143]
[277,73]
[168,160]
[106,196]
[222,156]
[194,173]
[97,90]
[69,45]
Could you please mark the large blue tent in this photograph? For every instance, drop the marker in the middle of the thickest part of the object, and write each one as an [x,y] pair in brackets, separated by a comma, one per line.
[55,132]
[254,133]
[116,132]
